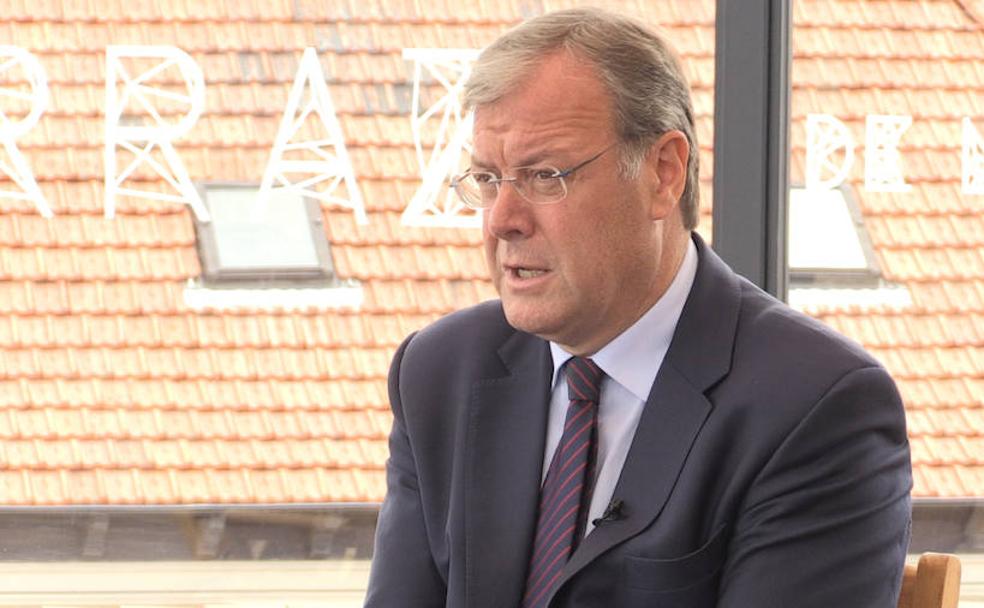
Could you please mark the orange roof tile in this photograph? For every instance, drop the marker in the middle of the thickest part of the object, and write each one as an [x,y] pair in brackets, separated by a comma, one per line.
[113,391]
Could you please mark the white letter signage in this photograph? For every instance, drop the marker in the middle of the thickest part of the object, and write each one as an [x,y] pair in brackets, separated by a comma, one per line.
[132,98]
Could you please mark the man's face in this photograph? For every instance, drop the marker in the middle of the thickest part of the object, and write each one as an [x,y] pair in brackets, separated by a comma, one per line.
[581,271]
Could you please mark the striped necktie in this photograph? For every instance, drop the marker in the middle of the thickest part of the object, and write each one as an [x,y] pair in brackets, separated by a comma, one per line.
[566,495]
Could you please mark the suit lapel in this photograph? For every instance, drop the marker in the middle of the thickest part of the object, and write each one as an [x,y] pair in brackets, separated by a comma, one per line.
[699,356]
[503,459]
[673,416]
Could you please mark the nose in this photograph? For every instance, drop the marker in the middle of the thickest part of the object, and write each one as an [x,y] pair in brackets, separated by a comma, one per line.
[510,218]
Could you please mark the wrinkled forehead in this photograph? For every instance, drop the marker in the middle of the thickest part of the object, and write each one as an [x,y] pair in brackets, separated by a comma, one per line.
[560,85]
[561,104]
[556,74]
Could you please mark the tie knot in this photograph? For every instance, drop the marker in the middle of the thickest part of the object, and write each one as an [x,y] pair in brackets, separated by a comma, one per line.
[583,379]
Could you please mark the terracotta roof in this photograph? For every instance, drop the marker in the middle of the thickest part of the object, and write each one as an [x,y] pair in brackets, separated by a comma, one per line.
[114,391]
[919,59]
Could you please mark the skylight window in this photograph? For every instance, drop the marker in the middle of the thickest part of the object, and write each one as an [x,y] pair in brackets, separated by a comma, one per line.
[285,245]
[280,260]
[827,239]
[831,260]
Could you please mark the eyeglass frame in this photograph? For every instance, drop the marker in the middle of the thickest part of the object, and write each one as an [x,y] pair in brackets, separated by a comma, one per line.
[559,174]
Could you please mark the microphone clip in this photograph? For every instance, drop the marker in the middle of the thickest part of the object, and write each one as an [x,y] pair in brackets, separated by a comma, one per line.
[613,512]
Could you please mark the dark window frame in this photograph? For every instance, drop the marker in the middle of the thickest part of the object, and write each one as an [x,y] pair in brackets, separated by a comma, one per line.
[163,533]
[751,130]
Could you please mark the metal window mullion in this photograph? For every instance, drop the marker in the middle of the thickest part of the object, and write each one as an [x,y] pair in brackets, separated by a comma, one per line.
[751,124]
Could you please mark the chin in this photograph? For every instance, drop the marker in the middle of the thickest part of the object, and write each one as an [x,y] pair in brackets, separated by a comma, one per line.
[519,315]
[529,318]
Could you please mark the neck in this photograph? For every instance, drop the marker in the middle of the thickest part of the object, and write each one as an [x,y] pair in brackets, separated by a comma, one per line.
[673,251]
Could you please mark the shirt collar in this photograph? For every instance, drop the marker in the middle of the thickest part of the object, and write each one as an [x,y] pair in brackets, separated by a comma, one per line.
[634,357]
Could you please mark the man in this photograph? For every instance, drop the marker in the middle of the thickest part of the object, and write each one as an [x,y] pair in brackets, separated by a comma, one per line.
[632,424]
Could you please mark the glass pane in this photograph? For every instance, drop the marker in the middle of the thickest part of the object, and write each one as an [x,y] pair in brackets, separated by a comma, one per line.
[279,236]
[887,115]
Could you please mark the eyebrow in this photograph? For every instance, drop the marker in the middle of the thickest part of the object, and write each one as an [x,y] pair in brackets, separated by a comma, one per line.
[478,165]
[530,159]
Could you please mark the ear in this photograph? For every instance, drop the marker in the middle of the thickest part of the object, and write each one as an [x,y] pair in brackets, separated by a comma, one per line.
[666,166]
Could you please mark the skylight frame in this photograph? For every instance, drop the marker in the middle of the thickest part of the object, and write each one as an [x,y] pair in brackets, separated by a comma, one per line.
[216,274]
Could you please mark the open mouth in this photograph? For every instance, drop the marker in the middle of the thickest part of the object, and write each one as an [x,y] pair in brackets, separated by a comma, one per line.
[528,273]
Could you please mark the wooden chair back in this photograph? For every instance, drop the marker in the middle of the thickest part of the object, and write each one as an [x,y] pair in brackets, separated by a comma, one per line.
[933,583]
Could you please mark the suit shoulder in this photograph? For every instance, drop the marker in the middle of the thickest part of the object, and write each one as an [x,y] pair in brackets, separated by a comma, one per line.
[472,322]
[473,329]
[767,323]
[784,365]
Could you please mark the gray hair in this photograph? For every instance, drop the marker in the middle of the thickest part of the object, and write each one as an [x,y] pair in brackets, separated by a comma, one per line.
[650,95]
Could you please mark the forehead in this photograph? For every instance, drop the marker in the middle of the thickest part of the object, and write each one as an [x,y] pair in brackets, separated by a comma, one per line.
[561,105]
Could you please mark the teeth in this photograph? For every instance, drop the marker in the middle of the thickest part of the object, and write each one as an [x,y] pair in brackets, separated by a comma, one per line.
[528,274]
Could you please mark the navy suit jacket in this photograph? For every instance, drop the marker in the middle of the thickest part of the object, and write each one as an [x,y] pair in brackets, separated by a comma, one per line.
[770,467]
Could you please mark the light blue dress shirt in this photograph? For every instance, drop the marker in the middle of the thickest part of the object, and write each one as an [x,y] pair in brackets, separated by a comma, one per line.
[631,362]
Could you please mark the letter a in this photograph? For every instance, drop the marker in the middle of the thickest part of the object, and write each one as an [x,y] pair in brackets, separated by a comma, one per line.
[319,159]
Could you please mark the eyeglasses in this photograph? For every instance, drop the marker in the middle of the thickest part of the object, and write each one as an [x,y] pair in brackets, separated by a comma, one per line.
[537,185]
